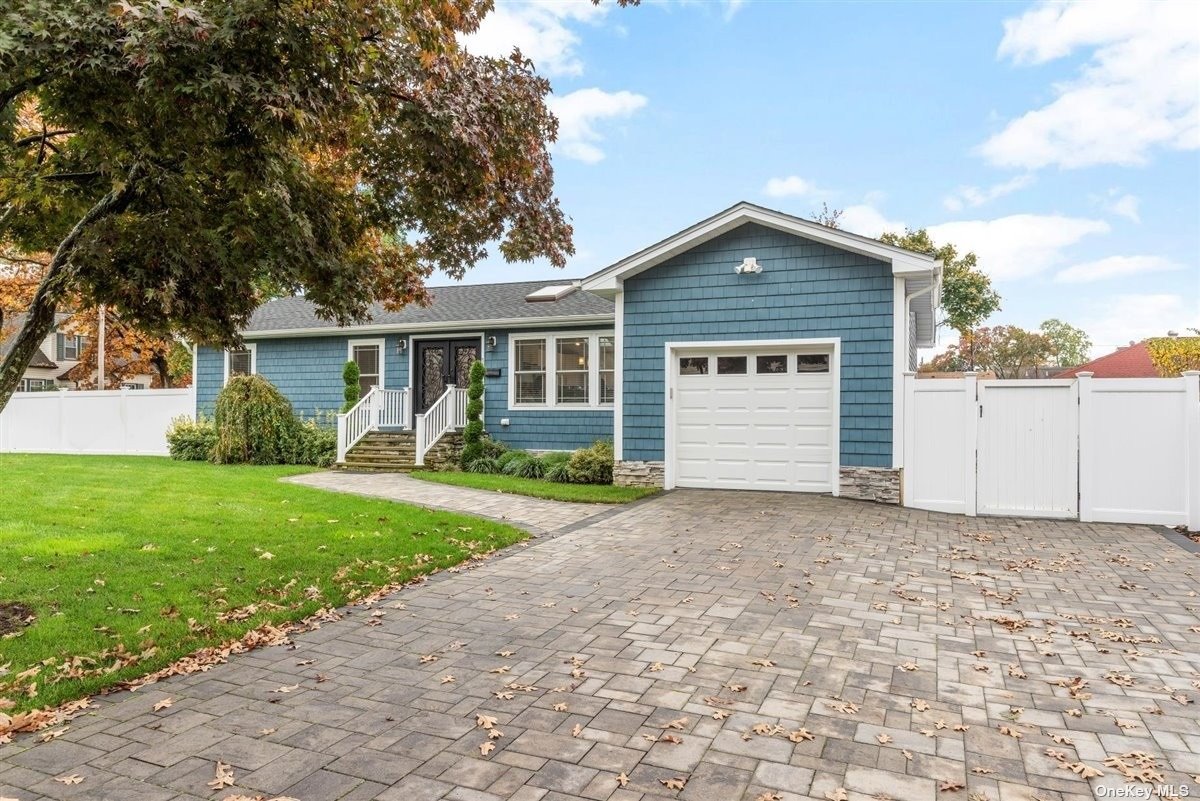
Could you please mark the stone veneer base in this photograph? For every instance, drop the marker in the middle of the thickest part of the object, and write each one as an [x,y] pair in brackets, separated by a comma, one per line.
[879,484]
[639,474]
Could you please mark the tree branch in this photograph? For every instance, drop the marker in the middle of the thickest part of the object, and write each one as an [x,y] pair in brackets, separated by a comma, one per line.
[39,319]
[19,88]
[29,140]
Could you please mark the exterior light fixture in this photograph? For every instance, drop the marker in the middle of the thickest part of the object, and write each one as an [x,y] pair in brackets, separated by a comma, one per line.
[748,265]
[491,343]
[402,345]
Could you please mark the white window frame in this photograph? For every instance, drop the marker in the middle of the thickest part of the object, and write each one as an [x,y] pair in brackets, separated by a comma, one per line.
[549,340]
[351,344]
[250,346]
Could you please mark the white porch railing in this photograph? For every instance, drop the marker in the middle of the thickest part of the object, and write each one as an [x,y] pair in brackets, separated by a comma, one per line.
[379,407]
[447,413]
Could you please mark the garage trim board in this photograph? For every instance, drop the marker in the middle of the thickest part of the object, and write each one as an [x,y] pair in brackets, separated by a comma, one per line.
[801,385]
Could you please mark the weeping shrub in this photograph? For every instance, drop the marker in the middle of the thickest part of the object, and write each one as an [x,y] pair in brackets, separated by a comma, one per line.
[255,424]
[473,432]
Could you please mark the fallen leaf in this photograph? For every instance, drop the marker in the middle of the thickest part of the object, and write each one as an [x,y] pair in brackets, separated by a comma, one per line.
[163,704]
[837,794]
[224,777]
[486,747]
[883,739]
[266,555]
[763,663]
[800,735]
[769,797]
[676,783]
[74,778]
[948,786]
[622,779]
[286,688]
[485,721]
[448,679]
[678,723]
[577,730]
[560,707]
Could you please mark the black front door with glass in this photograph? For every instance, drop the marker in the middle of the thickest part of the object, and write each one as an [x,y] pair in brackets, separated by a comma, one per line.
[438,363]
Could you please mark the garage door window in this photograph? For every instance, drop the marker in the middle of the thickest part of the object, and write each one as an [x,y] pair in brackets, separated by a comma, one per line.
[812,363]
[693,365]
[771,364]
[731,365]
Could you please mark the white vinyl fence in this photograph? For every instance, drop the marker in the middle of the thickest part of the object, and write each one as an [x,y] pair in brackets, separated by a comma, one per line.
[113,422]
[1119,450]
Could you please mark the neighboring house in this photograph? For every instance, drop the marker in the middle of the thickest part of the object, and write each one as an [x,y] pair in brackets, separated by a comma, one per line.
[58,353]
[54,363]
[753,350]
[1131,361]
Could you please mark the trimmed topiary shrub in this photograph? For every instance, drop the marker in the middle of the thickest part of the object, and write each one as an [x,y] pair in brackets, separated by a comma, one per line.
[255,423]
[191,440]
[593,465]
[473,432]
[351,391]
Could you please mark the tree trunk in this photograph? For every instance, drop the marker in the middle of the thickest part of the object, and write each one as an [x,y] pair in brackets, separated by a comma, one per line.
[39,320]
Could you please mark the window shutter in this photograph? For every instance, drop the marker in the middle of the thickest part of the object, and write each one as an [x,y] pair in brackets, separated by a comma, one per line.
[60,345]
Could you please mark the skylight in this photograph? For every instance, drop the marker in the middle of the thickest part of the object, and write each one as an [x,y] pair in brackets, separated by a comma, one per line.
[551,293]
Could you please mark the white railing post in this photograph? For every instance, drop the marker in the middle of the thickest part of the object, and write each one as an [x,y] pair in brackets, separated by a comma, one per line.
[1087,473]
[341,438]
[374,396]
[420,440]
[451,413]
[1191,431]
[971,444]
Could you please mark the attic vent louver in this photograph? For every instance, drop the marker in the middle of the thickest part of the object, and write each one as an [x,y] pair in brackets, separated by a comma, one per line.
[548,294]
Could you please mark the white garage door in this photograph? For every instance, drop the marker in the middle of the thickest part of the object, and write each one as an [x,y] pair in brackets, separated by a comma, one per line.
[754,419]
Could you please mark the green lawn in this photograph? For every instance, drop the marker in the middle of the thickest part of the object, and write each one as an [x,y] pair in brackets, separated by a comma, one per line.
[118,554]
[580,493]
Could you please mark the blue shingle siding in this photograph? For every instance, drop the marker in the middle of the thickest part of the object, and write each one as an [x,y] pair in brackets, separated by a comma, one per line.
[308,370]
[806,290]
[540,429]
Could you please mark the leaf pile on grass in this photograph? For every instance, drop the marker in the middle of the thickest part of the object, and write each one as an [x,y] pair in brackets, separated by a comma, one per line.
[134,564]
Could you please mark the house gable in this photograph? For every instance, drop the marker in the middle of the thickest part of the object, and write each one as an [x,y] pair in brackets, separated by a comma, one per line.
[807,289]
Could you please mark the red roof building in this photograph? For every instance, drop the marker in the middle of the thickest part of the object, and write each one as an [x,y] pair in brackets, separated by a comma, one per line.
[1132,361]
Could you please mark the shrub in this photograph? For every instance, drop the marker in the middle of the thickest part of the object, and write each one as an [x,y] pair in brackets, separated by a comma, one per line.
[593,465]
[555,458]
[314,444]
[491,448]
[191,440]
[529,467]
[558,472]
[255,424]
[351,391]
[483,464]
[509,456]
[473,433]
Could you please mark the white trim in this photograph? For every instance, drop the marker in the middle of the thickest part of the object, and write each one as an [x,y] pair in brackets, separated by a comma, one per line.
[899,368]
[381,344]
[551,363]
[834,344]
[450,326]
[619,377]
[250,346]
[902,261]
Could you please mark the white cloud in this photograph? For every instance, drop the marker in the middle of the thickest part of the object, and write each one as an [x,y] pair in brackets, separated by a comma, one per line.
[1114,267]
[1018,245]
[1136,93]
[791,186]
[732,7]
[540,29]
[1126,206]
[975,196]
[1121,319]
[578,113]
[867,220]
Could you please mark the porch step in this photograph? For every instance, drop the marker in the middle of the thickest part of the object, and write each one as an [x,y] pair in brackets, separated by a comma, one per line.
[396,452]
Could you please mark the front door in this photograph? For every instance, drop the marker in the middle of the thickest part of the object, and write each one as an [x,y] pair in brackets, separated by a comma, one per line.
[438,363]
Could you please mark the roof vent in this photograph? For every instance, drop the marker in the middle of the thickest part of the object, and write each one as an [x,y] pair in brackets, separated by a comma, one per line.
[548,294]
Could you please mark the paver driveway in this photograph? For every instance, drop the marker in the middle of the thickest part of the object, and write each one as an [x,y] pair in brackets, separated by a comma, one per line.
[793,645]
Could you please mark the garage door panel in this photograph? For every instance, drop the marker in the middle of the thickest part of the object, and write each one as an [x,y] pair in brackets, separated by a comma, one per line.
[748,431]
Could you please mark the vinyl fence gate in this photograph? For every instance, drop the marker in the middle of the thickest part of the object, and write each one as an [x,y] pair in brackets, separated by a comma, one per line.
[1120,450]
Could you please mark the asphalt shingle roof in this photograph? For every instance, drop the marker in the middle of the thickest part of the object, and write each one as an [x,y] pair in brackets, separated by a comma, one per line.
[1132,361]
[13,324]
[451,304]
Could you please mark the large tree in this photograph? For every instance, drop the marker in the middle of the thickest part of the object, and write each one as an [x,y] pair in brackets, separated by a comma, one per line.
[182,160]
[1007,350]
[1068,345]
[967,295]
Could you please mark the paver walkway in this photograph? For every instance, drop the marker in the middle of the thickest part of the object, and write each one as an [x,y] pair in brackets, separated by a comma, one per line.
[535,515]
[750,645]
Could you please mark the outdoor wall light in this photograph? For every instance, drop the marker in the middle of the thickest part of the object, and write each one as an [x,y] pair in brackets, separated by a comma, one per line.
[491,343]
[402,345]
[748,265]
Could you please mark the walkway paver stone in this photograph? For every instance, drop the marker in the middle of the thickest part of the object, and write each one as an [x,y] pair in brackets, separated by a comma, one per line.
[792,645]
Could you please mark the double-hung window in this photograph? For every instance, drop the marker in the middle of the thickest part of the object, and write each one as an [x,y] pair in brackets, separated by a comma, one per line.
[566,371]
[69,347]
[368,355]
[241,361]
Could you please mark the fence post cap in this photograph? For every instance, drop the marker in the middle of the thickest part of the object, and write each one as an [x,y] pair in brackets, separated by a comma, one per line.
[1191,372]
[969,373]
[1085,374]
[910,372]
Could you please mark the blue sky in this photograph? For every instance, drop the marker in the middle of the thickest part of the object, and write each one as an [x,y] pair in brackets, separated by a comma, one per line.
[1061,142]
